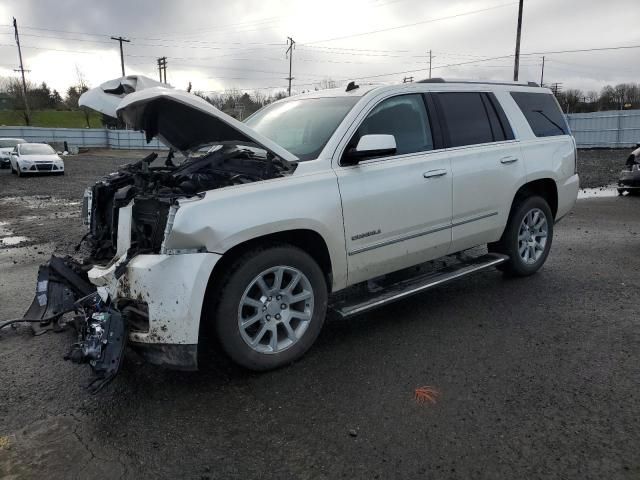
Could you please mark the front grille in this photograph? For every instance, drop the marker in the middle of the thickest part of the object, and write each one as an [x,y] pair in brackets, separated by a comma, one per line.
[45,167]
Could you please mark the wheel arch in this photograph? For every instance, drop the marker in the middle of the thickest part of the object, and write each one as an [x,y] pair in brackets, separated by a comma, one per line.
[307,240]
[543,187]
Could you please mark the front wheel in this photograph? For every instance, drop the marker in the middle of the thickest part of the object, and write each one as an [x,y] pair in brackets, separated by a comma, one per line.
[527,237]
[271,307]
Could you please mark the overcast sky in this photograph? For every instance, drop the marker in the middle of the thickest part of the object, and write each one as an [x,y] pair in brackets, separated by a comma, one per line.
[224,44]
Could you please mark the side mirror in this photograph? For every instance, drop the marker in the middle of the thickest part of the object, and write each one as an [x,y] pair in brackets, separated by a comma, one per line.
[374,145]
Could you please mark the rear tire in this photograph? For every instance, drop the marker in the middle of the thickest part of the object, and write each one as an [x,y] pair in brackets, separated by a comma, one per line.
[270,307]
[527,238]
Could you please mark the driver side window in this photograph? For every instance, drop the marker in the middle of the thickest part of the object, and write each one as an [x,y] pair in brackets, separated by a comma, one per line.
[405,117]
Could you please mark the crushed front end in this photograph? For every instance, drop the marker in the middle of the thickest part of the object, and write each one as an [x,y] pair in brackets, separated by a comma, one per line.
[130,289]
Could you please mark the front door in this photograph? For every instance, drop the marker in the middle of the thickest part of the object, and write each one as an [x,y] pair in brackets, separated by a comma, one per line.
[397,209]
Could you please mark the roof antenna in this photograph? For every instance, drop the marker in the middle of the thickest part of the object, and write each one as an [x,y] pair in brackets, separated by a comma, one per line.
[352,86]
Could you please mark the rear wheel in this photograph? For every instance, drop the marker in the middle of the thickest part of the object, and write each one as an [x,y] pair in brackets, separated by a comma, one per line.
[271,307]
[527,237]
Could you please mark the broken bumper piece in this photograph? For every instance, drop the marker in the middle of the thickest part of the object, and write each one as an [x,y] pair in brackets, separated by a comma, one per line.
[151,303]
[63,286]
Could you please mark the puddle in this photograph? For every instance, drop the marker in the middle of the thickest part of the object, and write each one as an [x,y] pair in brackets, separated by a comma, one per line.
[598,192]
[10,241]
[7,238]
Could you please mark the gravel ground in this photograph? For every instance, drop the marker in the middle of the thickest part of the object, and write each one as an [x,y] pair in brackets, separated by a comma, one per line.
[538,377]
[599,168]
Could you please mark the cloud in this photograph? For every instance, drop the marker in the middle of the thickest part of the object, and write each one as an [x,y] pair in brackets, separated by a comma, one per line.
[218,45]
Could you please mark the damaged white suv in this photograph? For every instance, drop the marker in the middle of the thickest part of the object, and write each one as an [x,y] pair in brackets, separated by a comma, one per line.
[319,201]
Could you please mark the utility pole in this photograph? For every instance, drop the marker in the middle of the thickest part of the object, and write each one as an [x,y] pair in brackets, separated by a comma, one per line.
[407,80]
[430,60]
[542,73]
[27,114]
[162,67]
[120,39]
[289,52]
[516,65]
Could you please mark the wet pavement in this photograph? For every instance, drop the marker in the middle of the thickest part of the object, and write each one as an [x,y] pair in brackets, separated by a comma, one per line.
[537,377]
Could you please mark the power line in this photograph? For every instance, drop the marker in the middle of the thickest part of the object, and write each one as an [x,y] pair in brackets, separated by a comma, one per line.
[423,22]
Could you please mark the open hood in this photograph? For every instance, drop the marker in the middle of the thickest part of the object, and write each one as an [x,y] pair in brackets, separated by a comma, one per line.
[187,122]
[106,97]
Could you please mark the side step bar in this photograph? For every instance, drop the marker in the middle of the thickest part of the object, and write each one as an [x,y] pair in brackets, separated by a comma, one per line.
[347,307]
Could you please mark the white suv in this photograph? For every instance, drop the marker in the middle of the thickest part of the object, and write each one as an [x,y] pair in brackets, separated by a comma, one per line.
[313,202]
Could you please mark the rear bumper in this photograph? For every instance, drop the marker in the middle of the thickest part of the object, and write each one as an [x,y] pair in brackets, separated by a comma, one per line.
[567,195]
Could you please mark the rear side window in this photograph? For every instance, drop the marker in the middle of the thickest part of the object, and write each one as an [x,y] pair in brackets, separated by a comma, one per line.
[405,117]
[542,112]
[466,118]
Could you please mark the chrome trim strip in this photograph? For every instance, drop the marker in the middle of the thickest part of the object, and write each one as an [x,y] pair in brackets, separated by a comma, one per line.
[411,236]
[474,219]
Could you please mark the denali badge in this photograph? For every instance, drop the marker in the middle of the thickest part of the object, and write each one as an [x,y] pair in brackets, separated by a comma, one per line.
[366,234]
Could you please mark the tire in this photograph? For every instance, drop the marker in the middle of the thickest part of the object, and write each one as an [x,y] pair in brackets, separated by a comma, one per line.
[12,170]
[241,298]
[526,212]
[18,172]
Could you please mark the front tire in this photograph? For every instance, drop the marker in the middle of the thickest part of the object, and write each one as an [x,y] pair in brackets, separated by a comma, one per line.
[271,307]
[527,238]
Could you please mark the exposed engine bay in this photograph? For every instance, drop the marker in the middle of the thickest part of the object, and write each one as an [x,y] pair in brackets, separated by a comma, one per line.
[155,189]
[102,323]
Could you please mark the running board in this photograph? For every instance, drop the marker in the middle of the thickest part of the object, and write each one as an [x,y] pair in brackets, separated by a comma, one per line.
[347,307]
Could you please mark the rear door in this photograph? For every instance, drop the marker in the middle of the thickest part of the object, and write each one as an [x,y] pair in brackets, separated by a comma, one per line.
[486,165]
[397,208]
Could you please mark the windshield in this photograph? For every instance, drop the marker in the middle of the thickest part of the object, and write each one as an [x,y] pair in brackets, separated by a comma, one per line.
[303,127]
[35,149]
[9,142]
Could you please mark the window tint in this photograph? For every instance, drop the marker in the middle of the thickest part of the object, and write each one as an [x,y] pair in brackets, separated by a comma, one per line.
[465,117]
[542,112]
[404,117]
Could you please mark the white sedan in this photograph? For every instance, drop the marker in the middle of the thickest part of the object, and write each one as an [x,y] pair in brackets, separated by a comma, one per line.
[35,158]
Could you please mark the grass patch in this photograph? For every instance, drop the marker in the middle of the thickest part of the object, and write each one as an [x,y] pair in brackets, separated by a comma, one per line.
[51,118]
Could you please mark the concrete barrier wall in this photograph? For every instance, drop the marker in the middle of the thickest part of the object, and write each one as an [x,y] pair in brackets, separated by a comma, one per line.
[612,129]
[84,137]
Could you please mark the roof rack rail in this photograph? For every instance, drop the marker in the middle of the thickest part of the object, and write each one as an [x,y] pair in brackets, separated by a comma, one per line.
[489,82]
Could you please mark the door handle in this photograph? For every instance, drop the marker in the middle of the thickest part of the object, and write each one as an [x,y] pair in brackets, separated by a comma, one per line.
[507,160]
[435,173]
